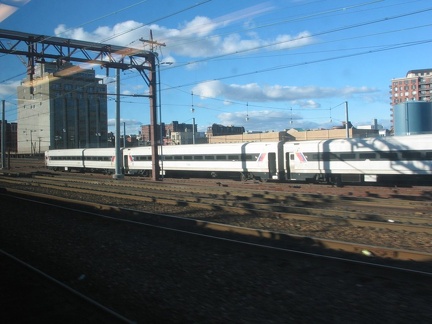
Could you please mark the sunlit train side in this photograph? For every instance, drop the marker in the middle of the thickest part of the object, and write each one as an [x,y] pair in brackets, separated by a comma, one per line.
[93,159]
[263,160]
[64,159]
[377,159]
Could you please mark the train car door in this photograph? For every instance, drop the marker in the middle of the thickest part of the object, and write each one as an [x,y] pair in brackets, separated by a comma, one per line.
[272,163]
[125,163]
[288,156]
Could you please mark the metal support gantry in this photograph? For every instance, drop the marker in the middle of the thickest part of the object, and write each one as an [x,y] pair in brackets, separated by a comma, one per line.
[38,48]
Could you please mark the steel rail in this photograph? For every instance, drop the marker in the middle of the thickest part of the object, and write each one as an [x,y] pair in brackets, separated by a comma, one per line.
[341,217]
[374,252]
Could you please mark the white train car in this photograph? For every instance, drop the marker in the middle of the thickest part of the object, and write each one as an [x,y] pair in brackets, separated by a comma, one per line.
[263,160]
[92,159]
[99,159]
[66,159]
[360,159]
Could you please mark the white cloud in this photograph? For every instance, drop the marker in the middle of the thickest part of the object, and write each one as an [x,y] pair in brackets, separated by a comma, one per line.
[253,92]
[198,27]
[196,38]
[9,88]
[287,41]
[266,120]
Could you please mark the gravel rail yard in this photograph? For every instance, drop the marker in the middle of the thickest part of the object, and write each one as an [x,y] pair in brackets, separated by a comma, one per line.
[150,275]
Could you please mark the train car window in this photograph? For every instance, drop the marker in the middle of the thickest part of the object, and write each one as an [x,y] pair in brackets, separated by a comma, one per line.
[327,156]
[315,157]
[187,157]
[367,156]
[221,157]
[209,157]
[168,157]
[411,155]
[392,156]
[178,157]
[347,156]
[233,157]
[428,155]
[249,157]
[198,157]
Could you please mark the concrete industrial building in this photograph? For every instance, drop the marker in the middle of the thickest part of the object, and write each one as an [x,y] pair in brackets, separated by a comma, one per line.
[64,106]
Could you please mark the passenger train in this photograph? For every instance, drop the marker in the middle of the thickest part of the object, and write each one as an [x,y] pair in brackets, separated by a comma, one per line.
[377,159]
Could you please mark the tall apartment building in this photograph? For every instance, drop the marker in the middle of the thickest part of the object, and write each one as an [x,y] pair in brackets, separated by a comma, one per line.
[416,86]
[64,106]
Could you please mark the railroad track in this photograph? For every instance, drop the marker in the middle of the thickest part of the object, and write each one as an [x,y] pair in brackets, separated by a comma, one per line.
[207,272]
[272,240]
[403,226]
[392,214]
[32,293]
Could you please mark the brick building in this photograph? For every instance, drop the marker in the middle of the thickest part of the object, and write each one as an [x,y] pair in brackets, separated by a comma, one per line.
[415,86]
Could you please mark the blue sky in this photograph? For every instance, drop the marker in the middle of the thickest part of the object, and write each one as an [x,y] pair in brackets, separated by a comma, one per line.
[265,65]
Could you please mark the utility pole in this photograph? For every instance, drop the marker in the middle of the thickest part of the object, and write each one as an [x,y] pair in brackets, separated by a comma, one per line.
[118,157]
[193,130]
[153,106]
[3,137]
[346,119]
